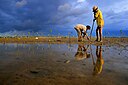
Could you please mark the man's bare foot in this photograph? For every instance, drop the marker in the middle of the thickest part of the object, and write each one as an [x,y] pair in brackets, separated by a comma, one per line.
[96,40]
[100,41]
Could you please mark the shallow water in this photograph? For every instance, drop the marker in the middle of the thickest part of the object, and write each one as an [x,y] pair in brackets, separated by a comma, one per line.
[62,64]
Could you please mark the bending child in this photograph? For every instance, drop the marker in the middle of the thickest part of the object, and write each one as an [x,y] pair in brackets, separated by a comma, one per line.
[82,31]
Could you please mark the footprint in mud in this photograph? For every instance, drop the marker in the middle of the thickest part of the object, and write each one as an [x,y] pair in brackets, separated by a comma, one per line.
[83,64]
[108,70]
[40,73]
[67,61]
[64,54]
[34,71]
[58,61]
[16,79]
[118,53]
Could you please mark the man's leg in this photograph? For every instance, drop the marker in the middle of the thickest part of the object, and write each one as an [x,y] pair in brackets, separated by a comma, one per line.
[97,33]
[100,33]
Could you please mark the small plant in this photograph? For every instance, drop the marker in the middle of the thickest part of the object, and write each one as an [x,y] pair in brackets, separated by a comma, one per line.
[59,35]
[37,33]
[121,33]
[29,34]
[51,32]
[48,35]
[69,36]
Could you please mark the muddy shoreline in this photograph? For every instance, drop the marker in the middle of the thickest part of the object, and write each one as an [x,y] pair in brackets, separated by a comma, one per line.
[62,40]
[60,61]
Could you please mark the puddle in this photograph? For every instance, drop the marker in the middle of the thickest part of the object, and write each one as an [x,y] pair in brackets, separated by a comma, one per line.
[63,63]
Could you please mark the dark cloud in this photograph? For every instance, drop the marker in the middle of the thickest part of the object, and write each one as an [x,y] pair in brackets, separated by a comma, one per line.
[26,14]
[59,15]
[36,15]
[71,12]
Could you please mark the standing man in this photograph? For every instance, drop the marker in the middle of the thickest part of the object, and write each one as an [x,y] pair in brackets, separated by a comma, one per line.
[100,22]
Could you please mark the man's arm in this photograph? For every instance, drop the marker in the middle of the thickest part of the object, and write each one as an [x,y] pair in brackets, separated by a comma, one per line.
[96,14]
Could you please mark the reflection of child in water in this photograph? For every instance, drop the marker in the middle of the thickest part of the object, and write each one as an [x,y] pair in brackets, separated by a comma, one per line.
[82,52]
[99,61]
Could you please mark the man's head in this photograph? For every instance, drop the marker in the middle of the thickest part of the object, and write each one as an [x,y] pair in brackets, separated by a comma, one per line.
[95,8]
[88,27]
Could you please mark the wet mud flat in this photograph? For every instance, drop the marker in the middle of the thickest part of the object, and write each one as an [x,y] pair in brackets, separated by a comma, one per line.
[63,64]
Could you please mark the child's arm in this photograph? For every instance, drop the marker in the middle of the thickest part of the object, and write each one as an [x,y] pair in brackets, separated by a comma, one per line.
[84,35]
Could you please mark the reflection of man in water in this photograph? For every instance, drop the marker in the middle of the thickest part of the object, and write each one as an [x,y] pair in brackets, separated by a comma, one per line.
[82,52]
[99,62]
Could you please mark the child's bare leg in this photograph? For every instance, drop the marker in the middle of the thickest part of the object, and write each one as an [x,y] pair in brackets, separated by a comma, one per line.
[79,35]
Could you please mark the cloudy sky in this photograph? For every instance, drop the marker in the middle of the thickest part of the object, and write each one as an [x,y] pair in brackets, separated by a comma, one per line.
[59,15]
